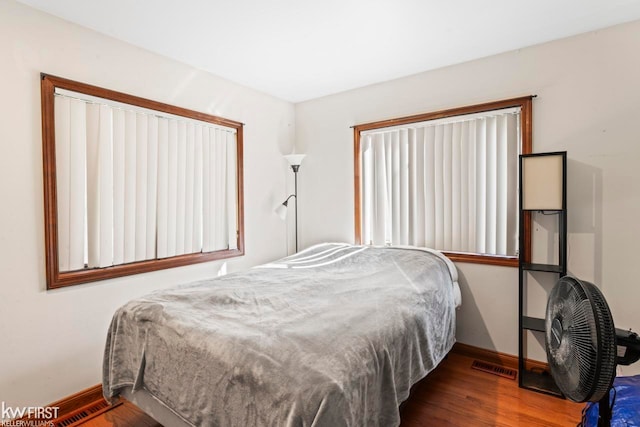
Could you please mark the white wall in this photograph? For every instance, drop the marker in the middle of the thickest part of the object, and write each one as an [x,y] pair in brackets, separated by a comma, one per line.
[588,104]
[52,341]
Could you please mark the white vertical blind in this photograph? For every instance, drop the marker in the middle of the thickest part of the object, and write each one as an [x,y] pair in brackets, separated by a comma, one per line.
[99,186]
[447,184]
[130,179]
[181,188]
[172,194]
[218,157]
[430,187]
[231,216]
[513,151]
[134,186]
[72,152]
[163,186]
[142,184]
[189,163]
[198,178]
[207,184]
[219,231]
[491,189]
[151,220]
[63,136]
[118,185]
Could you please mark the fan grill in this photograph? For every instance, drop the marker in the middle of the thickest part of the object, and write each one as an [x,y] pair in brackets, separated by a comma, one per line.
[608,349]
[580,338]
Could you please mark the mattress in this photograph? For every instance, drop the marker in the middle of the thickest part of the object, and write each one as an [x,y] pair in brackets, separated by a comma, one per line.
[335,335]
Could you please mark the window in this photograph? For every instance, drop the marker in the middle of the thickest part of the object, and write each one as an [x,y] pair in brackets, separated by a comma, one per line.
[445,180]
[133,185]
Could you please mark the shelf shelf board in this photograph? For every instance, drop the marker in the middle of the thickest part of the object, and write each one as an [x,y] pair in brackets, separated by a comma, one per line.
[533,323]
[542,382]
[551,268]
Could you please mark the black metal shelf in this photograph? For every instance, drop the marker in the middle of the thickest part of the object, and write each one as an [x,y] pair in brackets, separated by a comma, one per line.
[540,381]
[533,324]
[550,268]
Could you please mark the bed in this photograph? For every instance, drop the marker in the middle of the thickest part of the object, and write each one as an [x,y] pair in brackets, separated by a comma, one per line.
[335,335]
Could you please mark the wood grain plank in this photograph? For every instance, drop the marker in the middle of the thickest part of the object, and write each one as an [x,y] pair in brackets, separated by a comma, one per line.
[125,415]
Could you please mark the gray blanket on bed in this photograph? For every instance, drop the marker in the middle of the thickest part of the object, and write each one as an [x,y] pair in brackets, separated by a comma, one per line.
[333,336]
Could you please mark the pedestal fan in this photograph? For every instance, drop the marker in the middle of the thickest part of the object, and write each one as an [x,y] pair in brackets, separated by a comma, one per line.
[583,346]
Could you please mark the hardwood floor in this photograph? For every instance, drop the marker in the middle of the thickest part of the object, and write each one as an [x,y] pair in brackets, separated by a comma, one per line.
[455,395]
[452,395]
[125,415]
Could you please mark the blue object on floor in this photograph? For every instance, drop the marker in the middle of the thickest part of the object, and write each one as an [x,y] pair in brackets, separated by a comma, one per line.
[625,398]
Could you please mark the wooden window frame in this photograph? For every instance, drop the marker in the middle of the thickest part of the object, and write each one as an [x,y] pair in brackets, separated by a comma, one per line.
[56,278]
[525,104]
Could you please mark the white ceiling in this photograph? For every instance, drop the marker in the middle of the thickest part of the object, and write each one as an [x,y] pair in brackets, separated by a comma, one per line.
[302,49]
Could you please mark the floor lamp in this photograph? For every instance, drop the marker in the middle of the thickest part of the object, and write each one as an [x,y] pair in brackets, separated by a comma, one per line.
[294,160]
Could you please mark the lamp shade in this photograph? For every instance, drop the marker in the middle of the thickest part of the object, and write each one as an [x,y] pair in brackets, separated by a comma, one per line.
[281,210]
[543,181]
[294,159]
